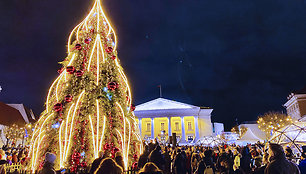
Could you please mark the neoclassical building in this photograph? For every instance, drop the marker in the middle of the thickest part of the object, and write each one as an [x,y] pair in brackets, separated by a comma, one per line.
[162,117]
[296,105]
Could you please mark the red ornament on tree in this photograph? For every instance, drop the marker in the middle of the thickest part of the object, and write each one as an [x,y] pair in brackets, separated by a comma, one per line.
[87,41]
[58,107]
[135,157]
[79,73]
[112,85]
[84,164]
[109,49]
[113,57]
[135,166]
[78,46]
[70,69]
[68,98]
[106,146]
[133,107]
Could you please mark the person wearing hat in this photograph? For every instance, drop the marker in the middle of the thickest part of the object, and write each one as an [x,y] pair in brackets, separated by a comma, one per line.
[48,167]
[278,162]
[302,165]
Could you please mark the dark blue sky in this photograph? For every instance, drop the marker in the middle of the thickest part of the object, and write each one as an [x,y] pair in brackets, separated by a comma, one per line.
[240,57]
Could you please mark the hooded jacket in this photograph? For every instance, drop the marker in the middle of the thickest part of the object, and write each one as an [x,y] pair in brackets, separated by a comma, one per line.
[280,165]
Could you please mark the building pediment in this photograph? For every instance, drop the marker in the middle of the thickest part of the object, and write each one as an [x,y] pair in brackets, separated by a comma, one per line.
[163,104]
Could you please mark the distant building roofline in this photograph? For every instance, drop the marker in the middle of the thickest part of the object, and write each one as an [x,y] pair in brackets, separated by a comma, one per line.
[249,122]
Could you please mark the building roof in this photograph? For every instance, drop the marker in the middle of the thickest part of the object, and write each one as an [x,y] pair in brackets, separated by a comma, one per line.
[162,104]
[162,107]
[15,114]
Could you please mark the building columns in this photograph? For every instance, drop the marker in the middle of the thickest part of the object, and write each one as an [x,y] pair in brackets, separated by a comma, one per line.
[139,124]
[152,128]
[183,138]
[169,126]
[197,136]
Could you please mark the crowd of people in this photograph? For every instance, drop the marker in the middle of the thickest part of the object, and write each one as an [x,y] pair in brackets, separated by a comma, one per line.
[13,154]
[225,159]
[159,159]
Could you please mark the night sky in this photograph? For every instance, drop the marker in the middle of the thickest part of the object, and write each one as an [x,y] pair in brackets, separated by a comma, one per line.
[240,57]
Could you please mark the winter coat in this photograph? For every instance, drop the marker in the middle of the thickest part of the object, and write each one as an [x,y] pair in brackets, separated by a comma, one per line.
[245,162]
[280,165]
[47,169]
[180,164]
[157,158]
[207,161]
[143,159]
[95,164]
[167,163]
[237,162]
[302,166]
[119,161]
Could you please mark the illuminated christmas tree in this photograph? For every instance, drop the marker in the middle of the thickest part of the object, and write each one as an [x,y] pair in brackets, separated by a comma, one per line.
[89,106]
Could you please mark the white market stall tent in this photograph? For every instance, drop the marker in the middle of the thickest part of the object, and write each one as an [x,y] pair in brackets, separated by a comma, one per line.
[248,138]
[210,141]
[293,135]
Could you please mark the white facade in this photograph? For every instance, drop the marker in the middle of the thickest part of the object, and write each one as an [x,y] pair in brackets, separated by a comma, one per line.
[172,116]
[218,128]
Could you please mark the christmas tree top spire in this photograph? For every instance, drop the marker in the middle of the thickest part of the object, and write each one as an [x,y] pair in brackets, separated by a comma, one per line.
[95,14]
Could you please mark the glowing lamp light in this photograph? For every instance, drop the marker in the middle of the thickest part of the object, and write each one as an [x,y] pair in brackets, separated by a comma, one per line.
[105,89]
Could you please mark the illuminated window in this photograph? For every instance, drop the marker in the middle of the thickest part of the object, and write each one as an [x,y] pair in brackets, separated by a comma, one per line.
[177,126]
[162,126]
[189,125]
[148,127]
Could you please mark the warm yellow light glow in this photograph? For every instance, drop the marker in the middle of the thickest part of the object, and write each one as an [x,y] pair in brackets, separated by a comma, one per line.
[64,144]
[60,144]
[71,126]
[98,118]
[37,142]
[93,137]
[103,131]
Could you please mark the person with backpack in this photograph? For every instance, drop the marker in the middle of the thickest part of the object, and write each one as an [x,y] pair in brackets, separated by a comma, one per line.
[206,165]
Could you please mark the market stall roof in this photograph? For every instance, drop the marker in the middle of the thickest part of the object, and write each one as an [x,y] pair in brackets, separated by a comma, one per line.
[249,137]
[210,141]
[14,114]
[293,135]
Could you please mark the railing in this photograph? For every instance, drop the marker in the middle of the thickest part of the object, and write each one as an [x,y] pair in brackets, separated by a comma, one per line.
[16,167]
[131,171]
